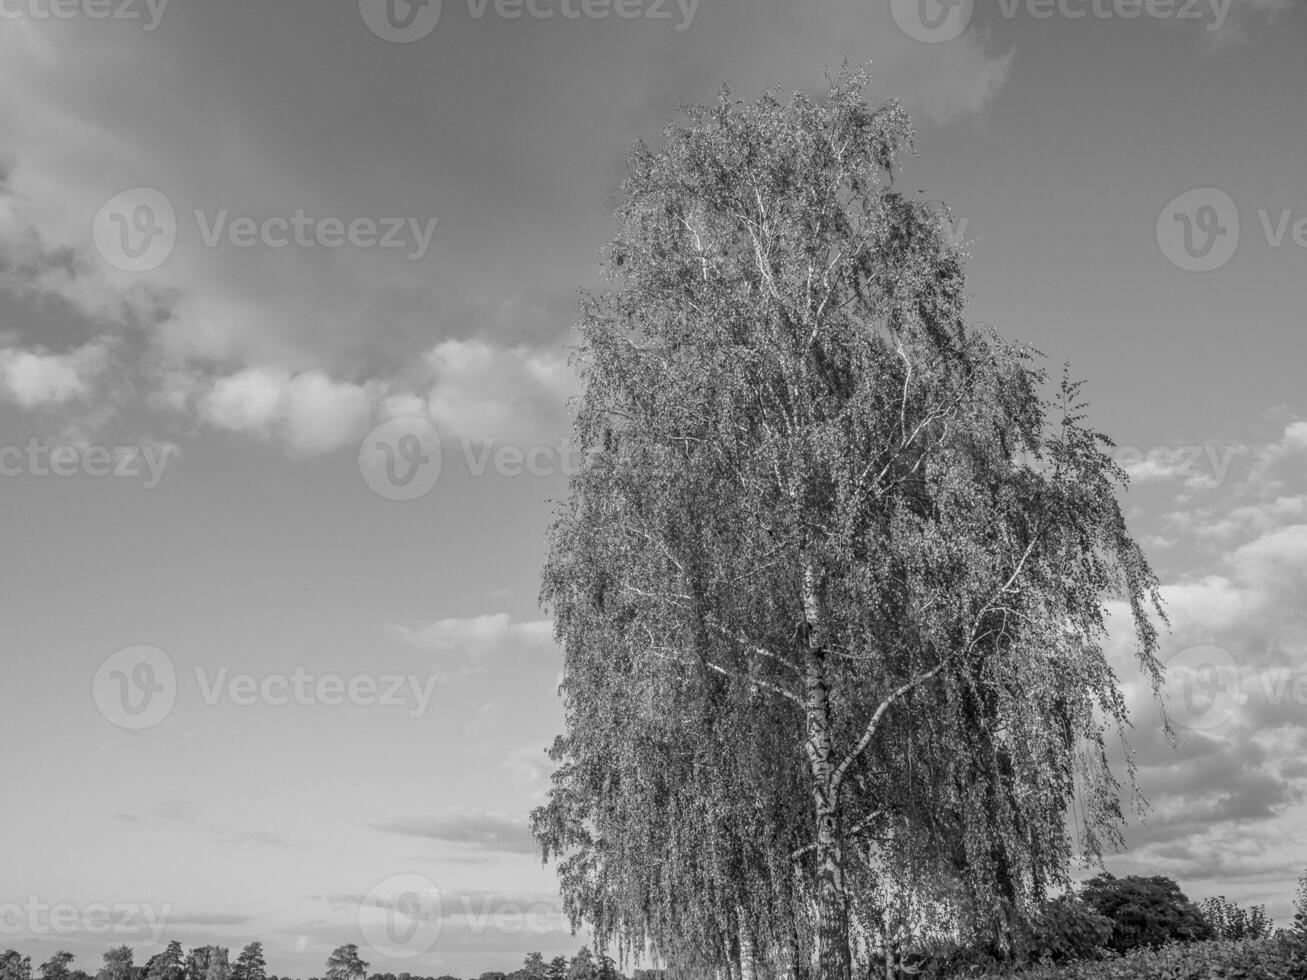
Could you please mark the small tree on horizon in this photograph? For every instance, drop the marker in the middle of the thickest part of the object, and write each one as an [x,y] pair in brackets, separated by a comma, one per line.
[583,966]
[168,965]
[57,967]
[250,965]
[344,964]
[117,964]
[15,966]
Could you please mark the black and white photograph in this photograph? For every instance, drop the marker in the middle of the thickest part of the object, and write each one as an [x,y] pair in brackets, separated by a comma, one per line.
[653,489]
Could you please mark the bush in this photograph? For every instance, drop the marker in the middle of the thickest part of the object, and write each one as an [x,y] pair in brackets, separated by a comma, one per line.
[1230,921]
[1281,958]
[1067,929]
[1145,912]
[1063,929]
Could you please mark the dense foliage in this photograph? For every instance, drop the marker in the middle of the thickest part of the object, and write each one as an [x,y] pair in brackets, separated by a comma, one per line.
[830,581]
[1281,958]
[1230,921]
[1145,911]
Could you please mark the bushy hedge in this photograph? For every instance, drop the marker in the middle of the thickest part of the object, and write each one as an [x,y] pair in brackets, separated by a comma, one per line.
[1281,958]
[1230,921]
[1145,911]
[1135,928]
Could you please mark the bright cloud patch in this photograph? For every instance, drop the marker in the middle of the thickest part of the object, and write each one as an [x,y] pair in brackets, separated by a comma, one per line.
[307,413]
[479,636]
[36,379]
[515,395]
[1226,801]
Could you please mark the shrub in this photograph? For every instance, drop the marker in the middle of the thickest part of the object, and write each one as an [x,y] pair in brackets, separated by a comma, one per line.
[1230,921]
[1144,911]
[1282,958]
[1063,929]
[1067,929]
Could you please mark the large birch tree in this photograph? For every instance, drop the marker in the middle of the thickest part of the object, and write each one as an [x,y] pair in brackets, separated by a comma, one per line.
[831,579]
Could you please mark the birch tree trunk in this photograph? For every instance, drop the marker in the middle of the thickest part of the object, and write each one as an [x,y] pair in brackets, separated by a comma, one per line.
[833,957]
[748,962]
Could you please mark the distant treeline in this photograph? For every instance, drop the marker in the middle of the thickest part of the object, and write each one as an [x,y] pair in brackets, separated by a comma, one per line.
[213,963]
[1105,918]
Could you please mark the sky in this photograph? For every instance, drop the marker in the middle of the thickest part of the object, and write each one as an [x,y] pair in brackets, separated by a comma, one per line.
[286,294]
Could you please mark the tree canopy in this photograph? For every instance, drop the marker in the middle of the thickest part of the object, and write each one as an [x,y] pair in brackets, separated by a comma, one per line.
[830,581]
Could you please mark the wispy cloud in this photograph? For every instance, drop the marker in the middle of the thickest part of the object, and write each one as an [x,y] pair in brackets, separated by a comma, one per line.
[473,829]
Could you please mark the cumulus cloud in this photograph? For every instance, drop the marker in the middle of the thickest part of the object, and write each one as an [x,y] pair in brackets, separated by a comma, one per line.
[36,378]
[307,413]
[515,394]
[1226,804]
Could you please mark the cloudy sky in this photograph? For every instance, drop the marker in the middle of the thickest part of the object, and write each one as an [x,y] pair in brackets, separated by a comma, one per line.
[236,237]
